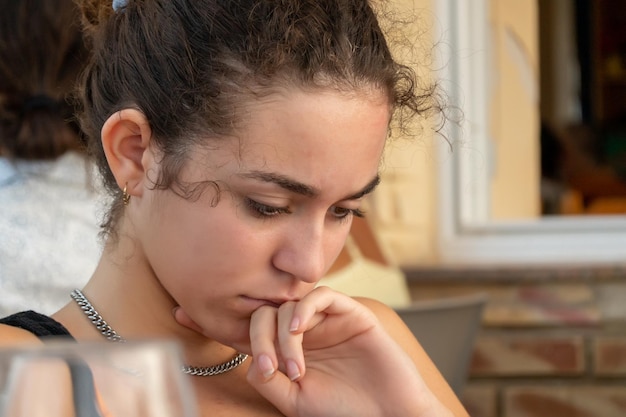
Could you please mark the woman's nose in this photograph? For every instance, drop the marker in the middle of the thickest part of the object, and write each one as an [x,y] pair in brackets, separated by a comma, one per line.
[302,254]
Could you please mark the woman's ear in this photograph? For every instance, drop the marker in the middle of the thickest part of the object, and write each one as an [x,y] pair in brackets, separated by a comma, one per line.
[126,138]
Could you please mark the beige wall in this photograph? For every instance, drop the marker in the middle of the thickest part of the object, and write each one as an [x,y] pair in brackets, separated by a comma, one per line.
[403,209]
[515,109]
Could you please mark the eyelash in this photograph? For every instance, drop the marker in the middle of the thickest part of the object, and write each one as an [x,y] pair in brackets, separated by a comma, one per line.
[265,211]
[348,212]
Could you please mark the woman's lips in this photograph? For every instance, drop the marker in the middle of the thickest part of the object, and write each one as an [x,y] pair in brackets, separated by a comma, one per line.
[259,302]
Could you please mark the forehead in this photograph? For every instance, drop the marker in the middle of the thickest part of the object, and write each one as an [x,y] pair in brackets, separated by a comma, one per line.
[319,122]
[308,135]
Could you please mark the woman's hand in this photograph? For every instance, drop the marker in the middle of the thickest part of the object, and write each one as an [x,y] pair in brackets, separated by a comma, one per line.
[328,355]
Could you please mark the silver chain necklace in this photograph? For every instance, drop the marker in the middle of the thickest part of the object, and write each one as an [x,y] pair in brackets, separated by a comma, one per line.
[108,332]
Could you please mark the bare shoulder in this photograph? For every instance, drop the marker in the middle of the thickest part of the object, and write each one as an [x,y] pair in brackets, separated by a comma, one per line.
[392,323]
[374,305]
[12,336]
[397,329]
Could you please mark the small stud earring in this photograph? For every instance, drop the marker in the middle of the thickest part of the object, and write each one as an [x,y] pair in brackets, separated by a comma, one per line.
[125,195]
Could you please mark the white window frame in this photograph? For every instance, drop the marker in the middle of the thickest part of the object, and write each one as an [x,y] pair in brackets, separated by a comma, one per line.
[466,234]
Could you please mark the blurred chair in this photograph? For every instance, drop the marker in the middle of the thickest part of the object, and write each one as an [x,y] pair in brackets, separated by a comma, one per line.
[447,329]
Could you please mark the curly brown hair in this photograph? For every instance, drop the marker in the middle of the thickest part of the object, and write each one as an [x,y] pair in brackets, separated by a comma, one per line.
[190,66]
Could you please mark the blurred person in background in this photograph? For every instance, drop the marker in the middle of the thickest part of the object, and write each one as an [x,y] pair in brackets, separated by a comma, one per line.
[48,198]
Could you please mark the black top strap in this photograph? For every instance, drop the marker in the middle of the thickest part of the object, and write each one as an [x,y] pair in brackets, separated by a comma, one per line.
[38,324]
[42,326]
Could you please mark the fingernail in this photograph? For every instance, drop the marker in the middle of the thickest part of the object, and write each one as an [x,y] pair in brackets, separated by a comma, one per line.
[295,323]
[266,366]
[174,310]
[293,372]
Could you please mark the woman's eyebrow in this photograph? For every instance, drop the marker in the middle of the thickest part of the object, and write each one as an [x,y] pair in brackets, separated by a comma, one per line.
[283,182]
[370,187]
[300,188]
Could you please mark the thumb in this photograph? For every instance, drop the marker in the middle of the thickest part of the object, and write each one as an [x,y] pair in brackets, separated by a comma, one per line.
[277,388]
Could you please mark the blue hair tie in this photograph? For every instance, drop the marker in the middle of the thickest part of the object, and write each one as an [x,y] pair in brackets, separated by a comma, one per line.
[119,4]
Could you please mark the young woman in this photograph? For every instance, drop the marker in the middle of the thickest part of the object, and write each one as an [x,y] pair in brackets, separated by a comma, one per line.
[237,140]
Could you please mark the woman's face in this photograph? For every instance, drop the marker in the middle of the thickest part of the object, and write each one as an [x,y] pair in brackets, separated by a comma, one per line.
[290,184]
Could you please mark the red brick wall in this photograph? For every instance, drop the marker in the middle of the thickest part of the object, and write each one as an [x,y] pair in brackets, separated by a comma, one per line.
[552,343]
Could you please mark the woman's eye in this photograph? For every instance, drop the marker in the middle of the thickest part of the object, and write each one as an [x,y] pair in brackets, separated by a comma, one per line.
[263,210]
[342,212]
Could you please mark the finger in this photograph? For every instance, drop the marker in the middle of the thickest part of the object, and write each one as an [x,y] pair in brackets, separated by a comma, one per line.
[307,315]
[278,389]
[289,343]
[321,302]
[262,337]
[184,320]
